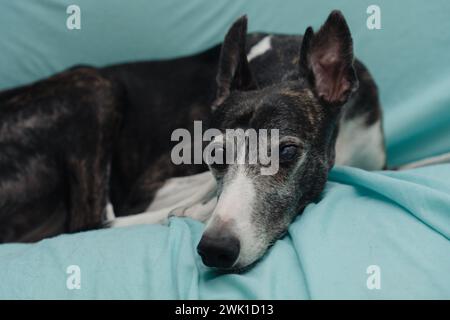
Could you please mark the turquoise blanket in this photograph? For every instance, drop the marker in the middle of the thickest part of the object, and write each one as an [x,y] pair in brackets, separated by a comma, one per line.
[372,235]
[396,222]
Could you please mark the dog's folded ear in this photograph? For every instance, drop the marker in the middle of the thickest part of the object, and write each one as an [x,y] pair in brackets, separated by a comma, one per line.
[234,72]
[326,59]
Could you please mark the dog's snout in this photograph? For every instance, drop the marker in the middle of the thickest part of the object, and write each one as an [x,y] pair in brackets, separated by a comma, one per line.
[219,251]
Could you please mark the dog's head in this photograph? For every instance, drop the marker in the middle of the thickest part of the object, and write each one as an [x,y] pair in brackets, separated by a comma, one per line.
[309,86]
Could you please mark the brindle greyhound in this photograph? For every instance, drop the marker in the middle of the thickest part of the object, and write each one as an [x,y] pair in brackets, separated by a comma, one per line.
[73,142]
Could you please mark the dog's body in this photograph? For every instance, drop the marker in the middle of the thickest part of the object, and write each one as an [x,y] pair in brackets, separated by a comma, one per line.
[70,142]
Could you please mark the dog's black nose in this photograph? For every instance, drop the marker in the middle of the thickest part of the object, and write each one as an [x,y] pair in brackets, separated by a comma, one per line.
[219,251]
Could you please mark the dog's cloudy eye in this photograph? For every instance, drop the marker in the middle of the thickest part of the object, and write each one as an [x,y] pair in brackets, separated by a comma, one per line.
[288,152]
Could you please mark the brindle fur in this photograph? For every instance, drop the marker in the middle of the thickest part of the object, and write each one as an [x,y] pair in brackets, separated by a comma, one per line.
[56,139]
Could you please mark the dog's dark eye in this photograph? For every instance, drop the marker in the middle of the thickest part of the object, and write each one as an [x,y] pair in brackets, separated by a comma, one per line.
[288,152]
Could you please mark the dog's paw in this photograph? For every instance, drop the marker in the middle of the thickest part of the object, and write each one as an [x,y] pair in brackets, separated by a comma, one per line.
[198,211]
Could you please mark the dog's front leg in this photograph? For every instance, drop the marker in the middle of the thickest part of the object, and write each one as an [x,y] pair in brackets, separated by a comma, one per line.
[151,217]
[198,203]
[201,212]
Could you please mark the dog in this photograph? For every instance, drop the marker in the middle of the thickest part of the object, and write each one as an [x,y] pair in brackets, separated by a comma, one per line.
[86,137]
